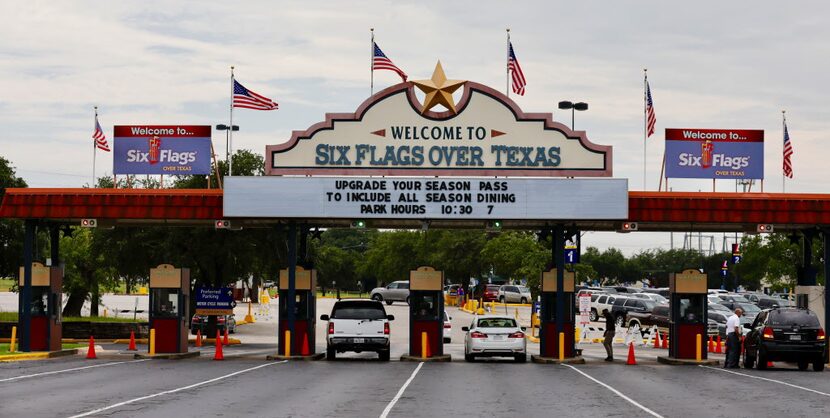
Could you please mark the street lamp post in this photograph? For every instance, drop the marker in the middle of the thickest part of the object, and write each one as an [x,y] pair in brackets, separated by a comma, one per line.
[573,106]
[227,130]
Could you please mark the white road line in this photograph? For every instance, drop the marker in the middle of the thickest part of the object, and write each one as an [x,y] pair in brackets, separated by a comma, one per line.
[167,392]
[767,379]
[618,393]
[400,392]
[68,370]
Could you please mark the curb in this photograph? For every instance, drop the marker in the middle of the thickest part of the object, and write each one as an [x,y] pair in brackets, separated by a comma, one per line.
[436,359]
[549,360]
[686,362]
[38,355]
[532,339]
[312,357]
[169,356]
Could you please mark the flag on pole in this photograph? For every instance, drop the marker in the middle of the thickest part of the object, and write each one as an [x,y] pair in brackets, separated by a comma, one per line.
[651,119]
[788,152]
[99,137]
[516,73]
[381,62]
[243,97]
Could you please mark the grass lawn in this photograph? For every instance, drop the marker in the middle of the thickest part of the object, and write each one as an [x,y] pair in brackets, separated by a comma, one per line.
[6,284]
[12,317]
[4,347]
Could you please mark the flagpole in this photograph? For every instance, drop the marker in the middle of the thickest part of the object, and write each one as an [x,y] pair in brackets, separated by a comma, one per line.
[645,122]
[783,174]
[507,66]
[94,150]
[372,63]
[230,132]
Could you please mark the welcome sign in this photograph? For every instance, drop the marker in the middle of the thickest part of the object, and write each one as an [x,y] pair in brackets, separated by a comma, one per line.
[392,133]
[715,153]
[167,149]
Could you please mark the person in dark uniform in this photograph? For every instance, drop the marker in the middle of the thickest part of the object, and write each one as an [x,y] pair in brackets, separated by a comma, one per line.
[610,331]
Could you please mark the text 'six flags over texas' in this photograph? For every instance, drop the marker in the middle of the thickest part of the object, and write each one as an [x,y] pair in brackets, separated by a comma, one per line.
[381,62]
[247,99]
[99,137]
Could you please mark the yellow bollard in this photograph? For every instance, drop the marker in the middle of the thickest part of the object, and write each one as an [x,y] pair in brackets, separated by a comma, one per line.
[423,345]
[153,342]
[698,355]
[287,343]
[533,324]
[14,337]
[516,315]
[561,346]
[105,312]
[249,318]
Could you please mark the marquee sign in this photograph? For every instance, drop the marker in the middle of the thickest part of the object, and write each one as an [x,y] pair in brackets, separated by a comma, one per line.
[484,134]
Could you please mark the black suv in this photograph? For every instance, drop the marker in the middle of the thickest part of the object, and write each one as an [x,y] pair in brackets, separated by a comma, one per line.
[785,334]
[624,306]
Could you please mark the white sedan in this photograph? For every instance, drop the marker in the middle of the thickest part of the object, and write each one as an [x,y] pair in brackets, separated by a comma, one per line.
[495,336]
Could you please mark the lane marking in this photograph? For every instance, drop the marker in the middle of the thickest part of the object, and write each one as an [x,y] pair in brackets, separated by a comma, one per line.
[618,393]
[167,392]
[69,370]
[394,400]
[767,379]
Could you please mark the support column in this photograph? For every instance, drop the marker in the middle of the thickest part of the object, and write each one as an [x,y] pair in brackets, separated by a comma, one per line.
[290,304]
[825,234]
[559,262]
[302,253]
[807,273]
[25,311]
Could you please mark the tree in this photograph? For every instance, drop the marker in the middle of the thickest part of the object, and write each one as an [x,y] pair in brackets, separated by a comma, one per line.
[515,255]
[11,231]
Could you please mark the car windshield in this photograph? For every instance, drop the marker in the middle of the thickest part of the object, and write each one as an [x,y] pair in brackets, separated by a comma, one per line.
[658,298]
[497,323]
[793,317]
[649,304]
[523,289]
[718,307]
[749,308]
[358,310]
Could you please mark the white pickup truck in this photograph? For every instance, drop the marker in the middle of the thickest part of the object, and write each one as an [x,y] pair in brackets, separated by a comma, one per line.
[357,325]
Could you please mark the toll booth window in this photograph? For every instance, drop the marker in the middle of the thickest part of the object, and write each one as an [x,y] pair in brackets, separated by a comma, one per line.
[166,303]
[691,310]
[569,307]
[301,306]
[425,307]
[40,300]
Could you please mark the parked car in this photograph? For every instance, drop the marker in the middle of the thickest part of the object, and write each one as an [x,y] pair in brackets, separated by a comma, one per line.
[199,323]
[767,302]
[659,316]
[622,306]
[393,292]
[750,310]
[662,291]
[447,327]
[786,334]
[495,336]
[655,297]
[357,325]
[601,303]
[487,292]
[514,294]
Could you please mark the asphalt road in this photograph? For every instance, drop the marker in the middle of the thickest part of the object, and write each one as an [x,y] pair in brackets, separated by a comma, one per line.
[358,385]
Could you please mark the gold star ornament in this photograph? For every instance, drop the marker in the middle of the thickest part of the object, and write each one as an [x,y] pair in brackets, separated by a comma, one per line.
[439,90]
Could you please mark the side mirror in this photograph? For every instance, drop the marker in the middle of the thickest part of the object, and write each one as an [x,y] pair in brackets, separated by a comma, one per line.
[390,317]
[465,328]
[324,317]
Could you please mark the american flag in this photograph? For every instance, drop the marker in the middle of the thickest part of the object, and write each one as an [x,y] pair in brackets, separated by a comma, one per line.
[516,73]
[243,97]
[99,137]
[381,62]
[788,152]
[651,120]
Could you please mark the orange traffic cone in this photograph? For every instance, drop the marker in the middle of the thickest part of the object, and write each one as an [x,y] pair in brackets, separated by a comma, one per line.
[665,342]
[657,339]
[769,364]
[719,347]
[218,354]
[305,351]
[631,360]
[132,342]
[198,338]
[711,344]
[90,354]
[225,340]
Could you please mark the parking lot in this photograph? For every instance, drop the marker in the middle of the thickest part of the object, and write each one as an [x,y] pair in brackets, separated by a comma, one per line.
[358,385]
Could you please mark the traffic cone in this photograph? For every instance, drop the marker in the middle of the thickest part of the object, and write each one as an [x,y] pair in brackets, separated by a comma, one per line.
[132,342]
[90,354]
[665,342]
[218,354]
[711,344]
[631,360]
[656,339]
[769,364]
[305,350]
[719,347]
[198,338]
[225,340]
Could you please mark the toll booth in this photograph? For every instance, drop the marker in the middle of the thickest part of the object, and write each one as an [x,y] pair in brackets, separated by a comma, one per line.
[45,330]
[548,338]
[426,311]
[688,317]
[169,307]
[305,311]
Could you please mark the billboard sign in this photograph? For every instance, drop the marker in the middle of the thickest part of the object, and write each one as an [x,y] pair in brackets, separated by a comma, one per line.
[214,301]
[168,149]
[715,153]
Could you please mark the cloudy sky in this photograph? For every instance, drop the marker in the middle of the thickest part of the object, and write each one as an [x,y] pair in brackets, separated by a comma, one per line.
[711,64]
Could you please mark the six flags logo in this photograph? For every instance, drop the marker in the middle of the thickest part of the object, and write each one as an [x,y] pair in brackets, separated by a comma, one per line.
[155,154]
[708,158]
